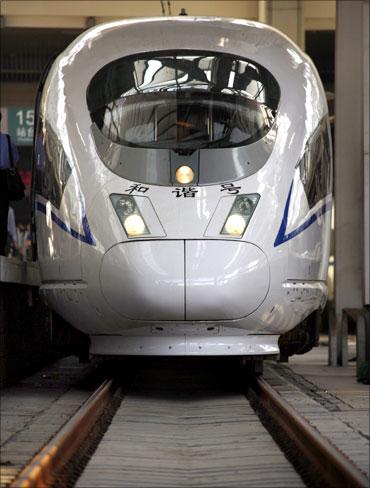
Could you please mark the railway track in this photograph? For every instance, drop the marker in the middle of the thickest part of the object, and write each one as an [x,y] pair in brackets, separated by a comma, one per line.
[186,425]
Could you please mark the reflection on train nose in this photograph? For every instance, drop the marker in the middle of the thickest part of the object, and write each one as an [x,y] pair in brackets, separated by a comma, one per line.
[144,280]
[225,277]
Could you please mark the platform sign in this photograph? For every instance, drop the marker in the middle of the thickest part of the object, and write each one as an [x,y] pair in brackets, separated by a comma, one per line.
[20,125]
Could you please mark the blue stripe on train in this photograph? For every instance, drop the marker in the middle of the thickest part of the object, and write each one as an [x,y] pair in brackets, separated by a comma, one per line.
[282,236]
[87,238]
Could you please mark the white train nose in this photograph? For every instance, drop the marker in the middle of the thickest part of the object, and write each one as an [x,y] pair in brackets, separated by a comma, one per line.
[144,280]
[225,280]
[185,280]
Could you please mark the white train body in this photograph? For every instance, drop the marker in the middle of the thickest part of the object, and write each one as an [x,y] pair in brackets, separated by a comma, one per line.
[241,106]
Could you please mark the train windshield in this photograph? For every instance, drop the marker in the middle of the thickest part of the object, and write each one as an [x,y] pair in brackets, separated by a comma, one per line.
[183,100]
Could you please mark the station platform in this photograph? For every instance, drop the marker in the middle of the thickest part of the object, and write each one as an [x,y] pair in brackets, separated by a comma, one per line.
[25,326]
[20,272]
[30,335]
[329,397]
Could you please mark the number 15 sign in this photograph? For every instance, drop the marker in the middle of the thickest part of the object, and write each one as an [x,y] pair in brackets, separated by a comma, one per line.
[20,125]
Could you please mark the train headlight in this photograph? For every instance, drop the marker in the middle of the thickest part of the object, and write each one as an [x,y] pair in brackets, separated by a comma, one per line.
[184,175]
[240,215]
[234,225]
[134,225]
[129,215]
[125,206]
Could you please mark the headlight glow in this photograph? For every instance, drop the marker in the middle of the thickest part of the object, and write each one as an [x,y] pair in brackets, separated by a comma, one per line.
[129,215]
[184,175]
[240,215]
[134,225]
[235,225]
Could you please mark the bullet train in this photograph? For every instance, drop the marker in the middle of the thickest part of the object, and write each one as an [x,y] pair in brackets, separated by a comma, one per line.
[182,183]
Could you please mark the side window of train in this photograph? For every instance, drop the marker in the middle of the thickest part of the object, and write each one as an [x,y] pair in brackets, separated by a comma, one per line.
[52,167]
[315,167]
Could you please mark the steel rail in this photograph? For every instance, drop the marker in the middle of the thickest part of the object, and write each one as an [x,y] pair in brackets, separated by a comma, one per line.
[44,469]
[334,467]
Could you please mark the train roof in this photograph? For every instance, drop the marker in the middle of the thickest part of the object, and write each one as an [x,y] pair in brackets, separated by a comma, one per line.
[255,40]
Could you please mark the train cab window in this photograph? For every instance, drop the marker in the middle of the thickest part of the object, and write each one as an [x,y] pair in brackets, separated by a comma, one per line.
[315,166]
[183,101]
[52,168]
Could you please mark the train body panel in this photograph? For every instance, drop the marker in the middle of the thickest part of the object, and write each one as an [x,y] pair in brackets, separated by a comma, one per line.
[185,284]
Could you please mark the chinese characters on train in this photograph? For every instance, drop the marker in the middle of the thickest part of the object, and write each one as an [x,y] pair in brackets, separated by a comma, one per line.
[231,189]
[185,191]
[137,188]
